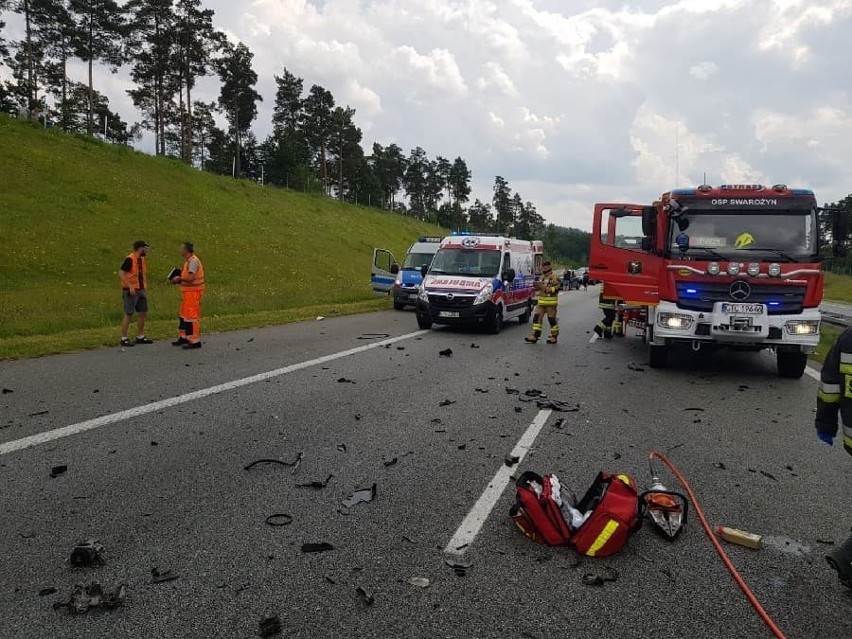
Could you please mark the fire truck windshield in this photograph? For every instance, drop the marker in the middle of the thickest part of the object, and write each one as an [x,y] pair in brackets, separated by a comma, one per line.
[789,234]
[474,262]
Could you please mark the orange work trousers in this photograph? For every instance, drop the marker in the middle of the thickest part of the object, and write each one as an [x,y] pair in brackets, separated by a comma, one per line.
[189,327]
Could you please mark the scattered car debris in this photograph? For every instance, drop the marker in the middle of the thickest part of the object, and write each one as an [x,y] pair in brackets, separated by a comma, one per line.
[279,519]
[447,352]
[700,410]
[341,448]
[616,456]
[6,391]
[419,582]
[366,597]
[250,340]
[39,413]
[344,380]
[357,417]
[768,475]
[474,345]
[87,553]
[511,460]
[559,423]
[162,576]
[293,464]
[390,462]
[720,465]
[56,471]
[320,318]
[534,392]
[518,409]
[413,542]
[373,336]
[317,547]
[153,443]
[360,496]
[636,367]
[826,542]
[742,387]
[92,596]
[462,446]
[459,568]
[447,402]
[558,406]
[482,390]
[316,484]
[269,627]
[44,592]
[400,348]
[593,579]
[740,537]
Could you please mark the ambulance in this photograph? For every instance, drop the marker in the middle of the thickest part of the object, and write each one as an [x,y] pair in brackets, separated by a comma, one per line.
[481,281]
[402,282]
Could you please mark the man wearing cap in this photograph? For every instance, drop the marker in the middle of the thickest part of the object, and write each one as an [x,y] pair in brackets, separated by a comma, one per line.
[548,299]
[134,284]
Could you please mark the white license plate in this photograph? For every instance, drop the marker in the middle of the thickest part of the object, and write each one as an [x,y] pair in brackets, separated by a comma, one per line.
[413,297]
[742,309]
[448,314]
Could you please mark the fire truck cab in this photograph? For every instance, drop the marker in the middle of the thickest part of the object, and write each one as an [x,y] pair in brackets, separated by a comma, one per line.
[734,265]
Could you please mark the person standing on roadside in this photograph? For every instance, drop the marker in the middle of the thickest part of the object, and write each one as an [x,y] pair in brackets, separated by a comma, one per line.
[191,282]
[548,299]
[134,285]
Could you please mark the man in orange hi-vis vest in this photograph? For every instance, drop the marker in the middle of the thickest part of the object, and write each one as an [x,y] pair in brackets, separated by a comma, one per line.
[191,281]
[133,274]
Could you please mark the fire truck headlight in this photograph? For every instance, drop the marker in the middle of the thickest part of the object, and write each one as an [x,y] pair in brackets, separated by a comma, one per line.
[484,295]
[674,321]
[422,295]
[802,327]
[734,268]
[774,270]
[754,269]
[713,268]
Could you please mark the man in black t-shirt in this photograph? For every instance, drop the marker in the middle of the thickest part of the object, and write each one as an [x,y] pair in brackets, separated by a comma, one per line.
[134,284]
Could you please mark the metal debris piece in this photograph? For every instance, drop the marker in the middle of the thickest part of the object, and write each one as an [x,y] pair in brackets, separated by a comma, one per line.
[511,460]
[512,391]
[344,380]
[366,597]
[341,448]
[44,592]
[534,392]
[39,413]
[720,465]
[360,496]
[6,391]
[482,390]
[316,484]
[447,352]
[317,547]
[269,627]
[373,336]
[412,541]
[459,568]
[56,471]
[474,345]
[558,406]
[768,475]
[447,402]
[391,462]
[279,519]
[162,576]
[87,553]
[827,542]
[419,582]
[700,410]
[92,596]
[636,367]
[593,579]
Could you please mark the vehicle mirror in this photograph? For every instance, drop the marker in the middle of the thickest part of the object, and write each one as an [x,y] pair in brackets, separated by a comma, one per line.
[649,221]
[394,268]
[423,270]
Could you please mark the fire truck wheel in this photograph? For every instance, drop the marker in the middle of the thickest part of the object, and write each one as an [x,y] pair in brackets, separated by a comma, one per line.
[792,364]
[424,322]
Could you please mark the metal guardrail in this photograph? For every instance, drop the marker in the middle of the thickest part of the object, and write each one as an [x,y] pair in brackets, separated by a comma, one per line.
[836,319]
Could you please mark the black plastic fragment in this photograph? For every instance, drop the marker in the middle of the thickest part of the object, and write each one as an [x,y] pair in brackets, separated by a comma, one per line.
[636,367]
[447,402]
[511,460]
[344,380]
[558,406]
[279,519]
[373,336]
[719,465]
[458,567]
[269,627]
[91,596]
[593,579]
[39,413]
[6,391]
[366,597]
[44,592]
[316,484]
[447,352]
[341,448]
[317,547]
[768,475]
[56,471]
[162,576]
[390,462]
[87,553]
[293,464]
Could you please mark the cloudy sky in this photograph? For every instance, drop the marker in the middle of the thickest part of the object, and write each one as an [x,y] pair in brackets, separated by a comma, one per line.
[576,101]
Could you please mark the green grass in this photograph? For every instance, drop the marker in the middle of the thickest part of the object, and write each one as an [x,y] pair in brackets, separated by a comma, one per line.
[71,207]
[838,288]
[828,335]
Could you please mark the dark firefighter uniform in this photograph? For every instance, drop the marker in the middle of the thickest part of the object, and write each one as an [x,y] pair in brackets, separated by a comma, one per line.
[834,399]
[613,319]
[548,288]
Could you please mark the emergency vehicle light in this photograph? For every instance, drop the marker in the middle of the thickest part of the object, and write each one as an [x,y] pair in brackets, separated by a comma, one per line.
[774,269]
[741,187]
[733,269]
[754,269]
[692,291]
[713,268]
[779,187]
[705,188]
[430,239]
[774,303]
[457,233]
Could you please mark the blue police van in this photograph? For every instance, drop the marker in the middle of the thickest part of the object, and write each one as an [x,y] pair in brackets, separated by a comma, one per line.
[402,282]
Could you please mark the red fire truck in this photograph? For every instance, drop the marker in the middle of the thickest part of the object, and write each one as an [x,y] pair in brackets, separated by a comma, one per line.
[734,266]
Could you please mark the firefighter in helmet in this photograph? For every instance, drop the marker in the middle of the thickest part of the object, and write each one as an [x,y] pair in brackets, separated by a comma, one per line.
[612,323]
[548,287]
[834,400]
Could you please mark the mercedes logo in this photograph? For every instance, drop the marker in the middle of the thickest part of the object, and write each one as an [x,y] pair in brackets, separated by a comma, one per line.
[740,291]
[451,296]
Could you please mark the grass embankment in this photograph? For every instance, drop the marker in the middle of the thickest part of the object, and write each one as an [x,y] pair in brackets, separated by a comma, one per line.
[838,288]
[71,207]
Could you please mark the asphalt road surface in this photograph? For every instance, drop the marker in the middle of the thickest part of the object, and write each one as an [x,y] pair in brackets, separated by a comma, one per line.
[160,480]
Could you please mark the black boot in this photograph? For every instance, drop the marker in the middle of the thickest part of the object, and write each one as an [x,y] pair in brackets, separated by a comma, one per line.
[841,560]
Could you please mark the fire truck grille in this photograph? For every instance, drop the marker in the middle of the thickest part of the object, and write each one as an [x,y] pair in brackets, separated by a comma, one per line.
[779,299]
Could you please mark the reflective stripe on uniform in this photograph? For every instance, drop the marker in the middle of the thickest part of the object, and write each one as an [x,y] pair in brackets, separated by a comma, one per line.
[846,358]
[600,542]
[846,369]
[847,442]
[833,389]
[828,398]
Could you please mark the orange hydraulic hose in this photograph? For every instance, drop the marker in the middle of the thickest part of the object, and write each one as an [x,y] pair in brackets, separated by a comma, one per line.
[725,559]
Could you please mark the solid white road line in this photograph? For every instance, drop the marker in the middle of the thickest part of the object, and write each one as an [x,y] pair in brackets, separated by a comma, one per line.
[477,516]
[73,429]
[812,372]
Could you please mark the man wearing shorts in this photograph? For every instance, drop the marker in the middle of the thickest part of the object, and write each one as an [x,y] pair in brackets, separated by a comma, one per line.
[134,284]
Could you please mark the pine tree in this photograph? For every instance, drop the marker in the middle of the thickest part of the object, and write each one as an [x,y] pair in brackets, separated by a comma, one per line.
[502,201]
[238,97]
[480,217]
[344,141]
[415,181]
[317,125]
[54,28]
[99,31]
[460,188]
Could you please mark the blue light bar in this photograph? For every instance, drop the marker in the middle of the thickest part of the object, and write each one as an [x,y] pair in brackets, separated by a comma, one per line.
[775,303]
[692,291]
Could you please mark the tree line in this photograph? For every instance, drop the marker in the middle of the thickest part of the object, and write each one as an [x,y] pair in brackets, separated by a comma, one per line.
[168,46]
